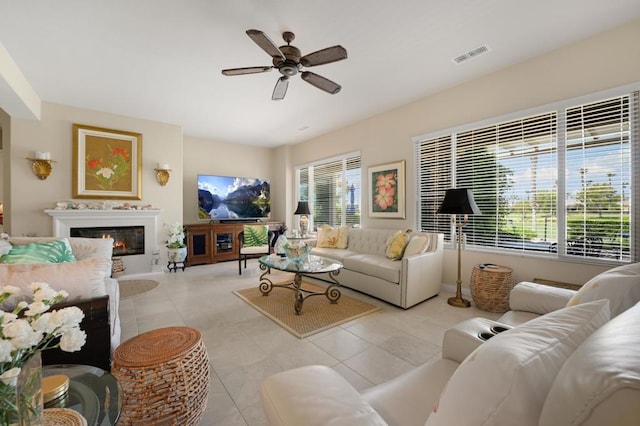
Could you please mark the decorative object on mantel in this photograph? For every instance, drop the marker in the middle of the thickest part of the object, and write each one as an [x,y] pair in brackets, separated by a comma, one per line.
[163,173]
[459,201]
[106,163]
[117,267]
[103,205]
[41,164]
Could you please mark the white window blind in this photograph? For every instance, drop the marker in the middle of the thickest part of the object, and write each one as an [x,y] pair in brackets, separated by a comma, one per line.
[562,182]
[332,188]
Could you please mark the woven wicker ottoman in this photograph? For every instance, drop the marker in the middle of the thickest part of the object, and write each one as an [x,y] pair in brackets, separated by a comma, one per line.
[491,287]
[164,375]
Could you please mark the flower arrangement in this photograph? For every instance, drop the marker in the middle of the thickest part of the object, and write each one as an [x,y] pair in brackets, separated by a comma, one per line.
[176,236]
[29,329]
[107,171]
[386,190]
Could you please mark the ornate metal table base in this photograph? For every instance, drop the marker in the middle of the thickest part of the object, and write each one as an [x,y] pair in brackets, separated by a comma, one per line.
[332,292]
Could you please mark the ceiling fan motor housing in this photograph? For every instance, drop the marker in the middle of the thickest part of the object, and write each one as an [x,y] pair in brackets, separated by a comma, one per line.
[291,65]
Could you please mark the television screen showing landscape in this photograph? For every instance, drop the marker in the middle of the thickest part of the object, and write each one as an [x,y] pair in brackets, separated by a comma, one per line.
[227,197]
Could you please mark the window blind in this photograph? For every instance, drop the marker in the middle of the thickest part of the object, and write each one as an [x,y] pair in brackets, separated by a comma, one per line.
[333,189]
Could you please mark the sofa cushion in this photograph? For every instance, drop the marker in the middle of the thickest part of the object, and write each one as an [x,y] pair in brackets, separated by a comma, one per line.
[506,380]
[620,285]
[57,251]
[600,382]
[417,245]
[331,237]
[82,279]
[396,245]
[332,253]
[377,266]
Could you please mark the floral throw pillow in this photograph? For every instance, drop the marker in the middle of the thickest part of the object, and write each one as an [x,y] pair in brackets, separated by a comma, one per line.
[330,237]
[397,244]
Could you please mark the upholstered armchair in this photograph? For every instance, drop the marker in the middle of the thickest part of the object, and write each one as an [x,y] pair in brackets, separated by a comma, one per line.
[253,241]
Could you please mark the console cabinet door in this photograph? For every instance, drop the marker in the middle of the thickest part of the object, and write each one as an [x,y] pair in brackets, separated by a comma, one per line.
[225,242]
[199,245]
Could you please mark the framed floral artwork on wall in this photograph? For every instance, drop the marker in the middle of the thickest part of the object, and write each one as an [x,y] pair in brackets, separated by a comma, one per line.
[386,190]
[106,163]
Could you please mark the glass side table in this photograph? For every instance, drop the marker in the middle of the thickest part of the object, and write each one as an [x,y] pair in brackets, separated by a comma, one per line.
[93,392]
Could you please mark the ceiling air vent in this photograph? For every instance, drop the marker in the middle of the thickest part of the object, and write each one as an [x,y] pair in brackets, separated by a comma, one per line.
[471,54]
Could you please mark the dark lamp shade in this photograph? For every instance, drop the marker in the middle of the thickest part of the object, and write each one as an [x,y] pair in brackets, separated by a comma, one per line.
[458,201]
[303,208]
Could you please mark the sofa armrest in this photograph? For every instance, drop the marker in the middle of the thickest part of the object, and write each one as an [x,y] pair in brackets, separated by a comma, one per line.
[538,298]
[314,395]
[421,276]
[97,349]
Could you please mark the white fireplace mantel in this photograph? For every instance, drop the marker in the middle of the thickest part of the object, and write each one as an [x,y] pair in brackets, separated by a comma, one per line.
[65,219]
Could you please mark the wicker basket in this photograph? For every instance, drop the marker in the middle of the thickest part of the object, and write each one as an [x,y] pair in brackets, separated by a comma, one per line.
[164,375]
[62,417]
[490,287]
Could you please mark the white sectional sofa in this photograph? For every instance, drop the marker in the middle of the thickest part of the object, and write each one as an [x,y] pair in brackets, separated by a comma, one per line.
[567,364]
[412,279]
[87,278]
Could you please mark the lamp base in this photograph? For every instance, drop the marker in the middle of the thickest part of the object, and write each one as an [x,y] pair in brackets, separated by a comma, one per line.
[459,302]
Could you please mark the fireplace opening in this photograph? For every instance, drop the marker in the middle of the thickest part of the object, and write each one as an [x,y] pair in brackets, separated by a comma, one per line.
[127,240]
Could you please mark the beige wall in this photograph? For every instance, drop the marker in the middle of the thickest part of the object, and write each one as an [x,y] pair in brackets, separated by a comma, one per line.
[204,156]
[592,65]
[53,133]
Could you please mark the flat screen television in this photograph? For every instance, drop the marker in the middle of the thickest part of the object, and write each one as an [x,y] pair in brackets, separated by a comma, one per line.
[233,198]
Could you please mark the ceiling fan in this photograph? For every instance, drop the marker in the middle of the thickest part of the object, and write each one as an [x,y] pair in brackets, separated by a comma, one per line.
[289,61]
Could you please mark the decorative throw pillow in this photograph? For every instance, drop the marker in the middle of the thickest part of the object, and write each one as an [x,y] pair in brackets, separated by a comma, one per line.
[620,285]
[256,235]
[417,244]
[330,237]
[47,252]
[5,246]
[397,244]
[83,279]
[506,379]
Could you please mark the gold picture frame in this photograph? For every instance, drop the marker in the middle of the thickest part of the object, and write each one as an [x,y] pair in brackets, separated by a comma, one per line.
[386,190]
[107,163]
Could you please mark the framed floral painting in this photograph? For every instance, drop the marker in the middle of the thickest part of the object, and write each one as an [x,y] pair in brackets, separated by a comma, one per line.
[386,190]
[106,163]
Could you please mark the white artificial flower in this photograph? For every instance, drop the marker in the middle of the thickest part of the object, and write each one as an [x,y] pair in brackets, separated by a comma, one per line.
[21,334]
[4,236]
[73,340]
[63,294]
[68,318]
[42,292]
[36,308]
[8,317]
[9,290]
[47,323]
[5,350]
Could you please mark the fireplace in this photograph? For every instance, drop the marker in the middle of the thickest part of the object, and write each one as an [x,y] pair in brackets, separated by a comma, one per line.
[66,222]
[127,240]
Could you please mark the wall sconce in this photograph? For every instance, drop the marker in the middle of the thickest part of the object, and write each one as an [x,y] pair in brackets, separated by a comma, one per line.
[41,164]
[162,173]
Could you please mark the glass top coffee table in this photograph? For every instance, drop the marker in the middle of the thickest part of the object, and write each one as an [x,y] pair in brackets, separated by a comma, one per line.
[93,392]
[313,265]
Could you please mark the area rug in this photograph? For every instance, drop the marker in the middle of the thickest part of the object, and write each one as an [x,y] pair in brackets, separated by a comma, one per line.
[133,288]
[318,313]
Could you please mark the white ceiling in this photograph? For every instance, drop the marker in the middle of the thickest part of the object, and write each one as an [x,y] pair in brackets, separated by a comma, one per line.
[161,59]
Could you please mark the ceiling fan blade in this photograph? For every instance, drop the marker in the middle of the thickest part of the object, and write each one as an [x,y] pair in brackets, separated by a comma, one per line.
[246,70]
[281,89]
[266,44]
[321,82]
[324,56]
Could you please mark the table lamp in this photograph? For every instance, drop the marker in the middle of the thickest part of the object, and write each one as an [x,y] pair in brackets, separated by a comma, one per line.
[459,202]
[303,211]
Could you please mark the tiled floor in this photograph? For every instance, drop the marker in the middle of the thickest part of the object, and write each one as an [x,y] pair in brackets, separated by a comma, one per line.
[245,347]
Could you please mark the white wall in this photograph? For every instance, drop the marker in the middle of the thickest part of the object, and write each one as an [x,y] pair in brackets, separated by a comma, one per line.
[601,62]
[30,196]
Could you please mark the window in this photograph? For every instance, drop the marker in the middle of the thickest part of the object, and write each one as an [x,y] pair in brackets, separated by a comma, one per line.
[332,188]
[557,182]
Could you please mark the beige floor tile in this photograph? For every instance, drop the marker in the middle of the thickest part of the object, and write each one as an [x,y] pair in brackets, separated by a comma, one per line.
[244,347]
